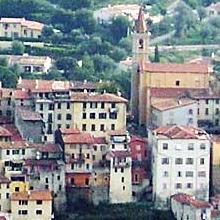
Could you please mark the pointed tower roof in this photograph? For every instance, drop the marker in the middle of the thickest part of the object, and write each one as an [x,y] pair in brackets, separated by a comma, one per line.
[140,25]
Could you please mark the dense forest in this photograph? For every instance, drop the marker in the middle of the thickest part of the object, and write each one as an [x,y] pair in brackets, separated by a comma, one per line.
[71,34]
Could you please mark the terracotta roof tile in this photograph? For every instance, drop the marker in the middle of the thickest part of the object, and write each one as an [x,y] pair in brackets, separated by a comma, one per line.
[4,132]
[69,131]
[29,115]
[167,104]
[107,97]
[30,24]
[16,136]
[189,200]
[4,179]
[20,94]
[100,140]
[175,92]
[47,147]
[34,195]
[78,138]
[175,68]
[181,132]
[121,154]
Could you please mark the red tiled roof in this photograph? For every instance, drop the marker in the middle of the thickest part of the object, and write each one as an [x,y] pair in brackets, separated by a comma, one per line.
[174,92]
[188,200]
[20,94]
[100,140]
[167,104]
[44,195]
[137,138]
[176,68]
[121,153]
[4,132]
[47,147]
[181,132]
[78,138]
[29,115]
[4,179]
[107,97]
[13,130]
[15,145]
[69,131]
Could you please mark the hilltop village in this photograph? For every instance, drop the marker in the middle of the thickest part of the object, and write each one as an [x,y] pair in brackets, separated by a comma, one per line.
[67,141]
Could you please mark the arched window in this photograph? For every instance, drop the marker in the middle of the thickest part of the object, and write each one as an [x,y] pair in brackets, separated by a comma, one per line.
[141,44]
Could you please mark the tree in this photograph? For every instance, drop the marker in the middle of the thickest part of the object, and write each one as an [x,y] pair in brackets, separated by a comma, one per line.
[202,13]
[7,77]
[67,64]
[47,32]
[156,54]
[184,19]
[118,54]
[119,28]
[109,87]
[75,4]
[17,48]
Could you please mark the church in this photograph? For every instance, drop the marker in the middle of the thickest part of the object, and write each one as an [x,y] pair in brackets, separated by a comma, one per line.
[158,80]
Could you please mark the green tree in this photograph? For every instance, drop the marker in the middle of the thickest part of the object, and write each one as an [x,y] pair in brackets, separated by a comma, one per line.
[184,20]
[119,28]
[67,64]
[7,77]
[202,13]
[156,54]
[17,48]
[76,4]
[109,87]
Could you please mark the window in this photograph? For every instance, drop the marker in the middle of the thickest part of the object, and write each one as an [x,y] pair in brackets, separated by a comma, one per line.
[58,177]
[84,105]
[165,160]
[189,161]
[202,146]
[46,180]
[217,101]
[217,111]
[23,151]
[122,170]
[87,166]
[15,152]
[189,185]
[216,122]
[113,146]
[87,181]
[38,212]
[59,105]
[102,127]
[122,179]
[112,127]
[93,127]
[58,126]
[41,107]
[202,161]
[178,185]
[178,161]
[189,173]
[93,104]
[67,105]
[141,44]
[177,83]
[206,111]
[102,115]
[84,115]
[16,189]
[7,195]
[68,117]
[92,116]
[87,156]
[59,116]
[39,202]
[102,105]
[206,101]
[95,148]
[191,146]
[165,146]
[190,111]
[7,152]
[190,121]
[84,127]
[201,174]
[165,174]
[116,170]
[123,188]
[67,125]
[179,174]
[51,107]
[113,115]
[164,186]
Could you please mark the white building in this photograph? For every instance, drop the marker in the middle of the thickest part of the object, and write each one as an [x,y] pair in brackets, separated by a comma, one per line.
[120,190]
[174,111]
[30,64]
[180,162]
[185,206]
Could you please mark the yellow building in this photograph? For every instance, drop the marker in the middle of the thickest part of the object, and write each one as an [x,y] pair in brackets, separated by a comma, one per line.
[98,113]
[31,205]
[19,186]
[215,164]
[147,76]
[20,28]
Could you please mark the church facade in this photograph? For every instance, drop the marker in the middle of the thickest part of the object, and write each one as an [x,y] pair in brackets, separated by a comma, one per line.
[148,77]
